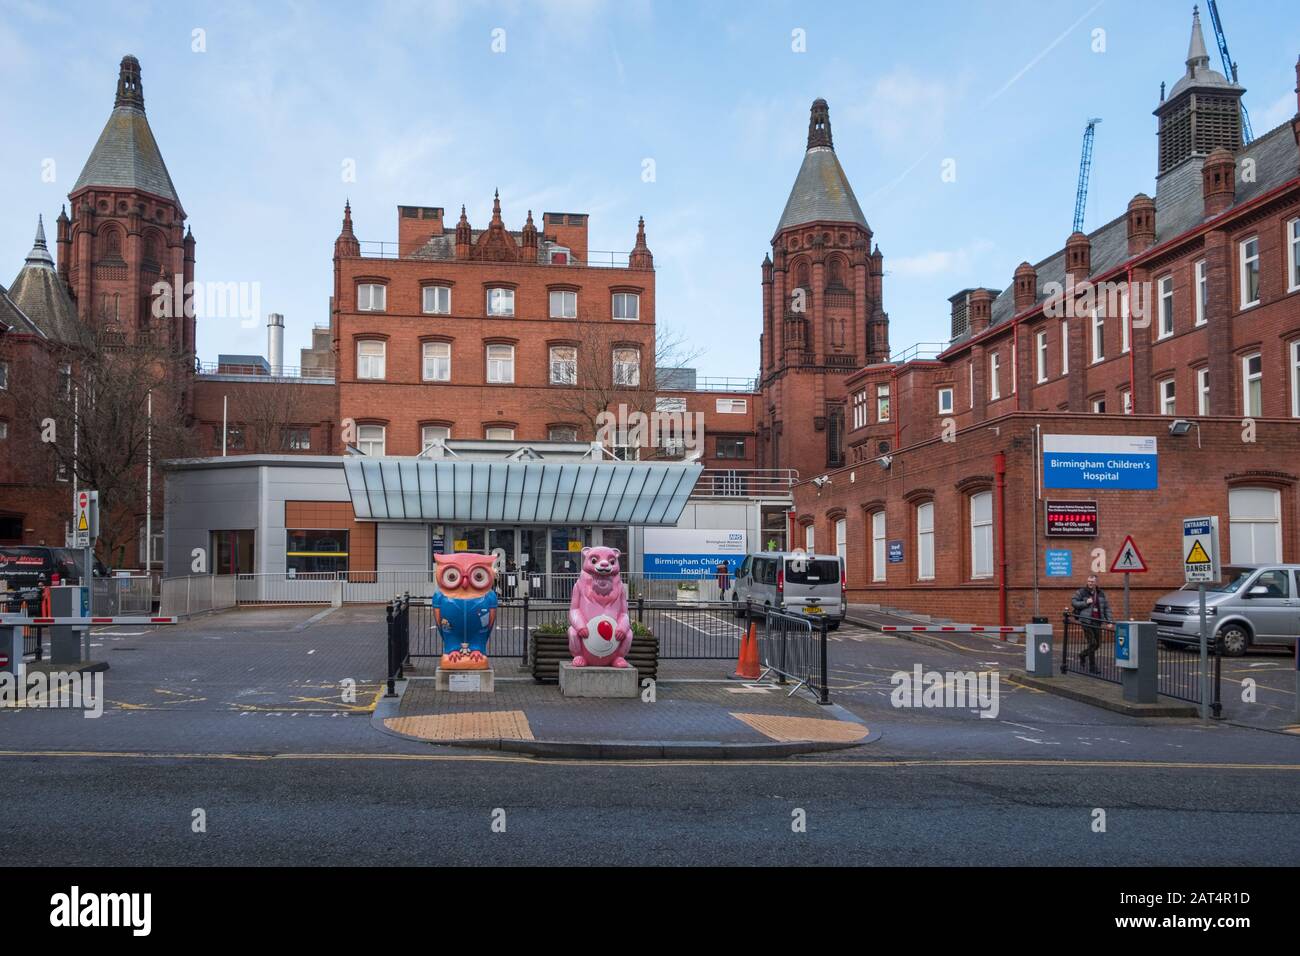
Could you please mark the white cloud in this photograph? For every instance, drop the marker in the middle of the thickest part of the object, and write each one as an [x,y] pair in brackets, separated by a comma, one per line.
[939,262]
[903,109]
[1275,114]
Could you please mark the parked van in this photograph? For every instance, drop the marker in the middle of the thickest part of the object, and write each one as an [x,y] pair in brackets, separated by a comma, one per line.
[1254,604]
[808,584]
[25,569]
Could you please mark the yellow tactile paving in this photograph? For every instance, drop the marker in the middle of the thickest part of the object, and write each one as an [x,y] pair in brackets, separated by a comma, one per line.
[484,725]
[789,729]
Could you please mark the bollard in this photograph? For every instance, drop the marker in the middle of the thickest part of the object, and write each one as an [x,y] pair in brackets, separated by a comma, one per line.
[1038,648]
[1135,656]
[11,654]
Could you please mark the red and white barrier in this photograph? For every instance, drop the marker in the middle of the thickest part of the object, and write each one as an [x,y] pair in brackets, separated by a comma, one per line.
[954,629]
[11,620]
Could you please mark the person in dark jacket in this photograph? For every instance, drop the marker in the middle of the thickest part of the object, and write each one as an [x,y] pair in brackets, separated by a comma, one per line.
[1092,608]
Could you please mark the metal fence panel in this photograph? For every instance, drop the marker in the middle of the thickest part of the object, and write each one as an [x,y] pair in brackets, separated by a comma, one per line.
[1178,666]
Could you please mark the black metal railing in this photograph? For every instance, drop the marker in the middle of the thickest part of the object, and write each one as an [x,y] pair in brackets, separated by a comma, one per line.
[793,647]
[397,617]
[1178,665]
[33,642]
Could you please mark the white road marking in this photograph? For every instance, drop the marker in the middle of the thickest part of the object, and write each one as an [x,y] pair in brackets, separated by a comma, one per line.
[1033,740]
[1037,730]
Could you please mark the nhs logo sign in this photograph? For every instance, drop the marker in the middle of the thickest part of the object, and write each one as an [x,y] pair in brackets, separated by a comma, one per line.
[1116,462]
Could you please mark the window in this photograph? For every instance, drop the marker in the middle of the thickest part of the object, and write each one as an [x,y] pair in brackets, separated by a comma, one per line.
[882,403]
[1255,525]
[1165,307]
[1098,337]
[313,551]
[925,541]
[431,435]
[501,301]
[732,406]
[234,435]
[437,299]
[1202,292]
[232,551]
[945,401]
[370,359]
[562,433]
[499,434]
[1293,255]
[995,388]
[859,409]
[564,365]
[1125,323]
[810,539]
[295,438]
[627,367]
[1295,377]
[878,546]
[1040,351]
[65,380]
[4,375]
[500,364]
[370,440]
[371,297]
[1165,389]
[981,535]
[970,373]
[564,304]
[1099,406]
[1202,391]
[1065,347]
[436,366]
[627,306]
[1250,272]
[1252,385]
[1126,401]
[731,448]
[155,545]
[841,538]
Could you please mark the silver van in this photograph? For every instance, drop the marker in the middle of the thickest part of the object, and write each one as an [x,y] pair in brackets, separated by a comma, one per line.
[1254,604]
[808,584]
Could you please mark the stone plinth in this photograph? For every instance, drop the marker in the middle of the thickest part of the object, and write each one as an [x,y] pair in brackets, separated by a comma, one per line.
[464,681]
[598,681]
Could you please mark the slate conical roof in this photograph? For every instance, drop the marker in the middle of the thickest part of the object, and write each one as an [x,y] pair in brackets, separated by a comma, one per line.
[1199,73]
[821,191]
[44,301]
[127,155]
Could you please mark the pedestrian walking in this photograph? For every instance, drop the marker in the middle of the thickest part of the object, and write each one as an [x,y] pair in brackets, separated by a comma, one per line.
[1092,608]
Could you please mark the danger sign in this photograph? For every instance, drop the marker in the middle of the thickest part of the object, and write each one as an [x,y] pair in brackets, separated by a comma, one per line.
[85,520]
[1201,550]
[1129,560]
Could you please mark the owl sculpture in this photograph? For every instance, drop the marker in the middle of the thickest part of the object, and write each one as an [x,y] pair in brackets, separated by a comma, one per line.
[465,608]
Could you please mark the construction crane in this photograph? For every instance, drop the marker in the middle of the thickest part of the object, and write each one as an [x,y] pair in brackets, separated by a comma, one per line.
[1229,68]
[1085,167]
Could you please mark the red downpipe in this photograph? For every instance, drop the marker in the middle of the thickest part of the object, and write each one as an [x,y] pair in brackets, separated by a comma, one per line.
[896,408]
[1128,320]
[1000,480]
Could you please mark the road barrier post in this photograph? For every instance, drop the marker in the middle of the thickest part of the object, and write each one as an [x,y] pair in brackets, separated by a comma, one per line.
[66,640]
[1038,648]
[11,653]
[1135,656]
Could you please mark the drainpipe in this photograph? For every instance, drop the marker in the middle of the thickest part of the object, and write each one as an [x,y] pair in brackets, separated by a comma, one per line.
[896,407]
[1132,342]
[1000,481]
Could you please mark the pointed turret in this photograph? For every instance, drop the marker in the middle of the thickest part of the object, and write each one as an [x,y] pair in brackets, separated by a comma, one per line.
[1203,109]
[641,257]
[528,238]
[821,191]
[346,245]
[40,256]
[464,236]
[41,295]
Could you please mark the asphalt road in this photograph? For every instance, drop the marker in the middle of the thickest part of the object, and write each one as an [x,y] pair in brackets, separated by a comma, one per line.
[244,717]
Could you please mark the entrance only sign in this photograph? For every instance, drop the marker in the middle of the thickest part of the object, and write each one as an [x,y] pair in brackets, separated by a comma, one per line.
[1201,550]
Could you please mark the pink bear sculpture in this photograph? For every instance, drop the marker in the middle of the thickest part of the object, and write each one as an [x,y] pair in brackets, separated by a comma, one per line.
[599,631]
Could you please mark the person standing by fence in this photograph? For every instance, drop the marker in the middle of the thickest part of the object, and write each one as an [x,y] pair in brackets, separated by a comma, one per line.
[1092,608]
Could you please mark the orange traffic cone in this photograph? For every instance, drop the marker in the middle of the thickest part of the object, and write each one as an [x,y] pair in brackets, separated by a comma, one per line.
[747,660]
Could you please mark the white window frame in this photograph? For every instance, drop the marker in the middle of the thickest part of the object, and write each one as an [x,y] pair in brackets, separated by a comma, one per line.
[499,433]
[1125,324]
[1247,378]
[1249,262]
[1014,364]
[1098,406]
[1295,377]
[634,379]
[1293,255]
[810,538]
[430,433]
[429,296]
[1238,522]
[981,536]
[946,400]
[562,370]
[505,306]
[500,366]
[1065,347]
[568,308]
[368,445]
[1168,396]
[1202,284]
[4,376]
[841,540]
[366,297]
[430,359]
[1098,337]
[879,546]
[883,404]
[1126,401]
[1165,307]
[970,372]
[1040,350]
[860,408]
[731,406]
[625,297]
[1203,391]
[995,387]
[366,370]
[925,541]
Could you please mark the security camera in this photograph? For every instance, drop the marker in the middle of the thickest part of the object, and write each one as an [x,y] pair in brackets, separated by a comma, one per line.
[821,481]
[886,461]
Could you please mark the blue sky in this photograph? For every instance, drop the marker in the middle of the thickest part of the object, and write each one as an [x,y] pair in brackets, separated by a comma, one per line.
[255,130]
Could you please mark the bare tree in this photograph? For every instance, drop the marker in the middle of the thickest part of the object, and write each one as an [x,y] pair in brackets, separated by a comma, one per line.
[265,410]
[97,413]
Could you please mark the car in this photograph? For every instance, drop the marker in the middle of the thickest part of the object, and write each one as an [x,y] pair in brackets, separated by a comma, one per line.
[1254,604]
[808,584]
[25,569]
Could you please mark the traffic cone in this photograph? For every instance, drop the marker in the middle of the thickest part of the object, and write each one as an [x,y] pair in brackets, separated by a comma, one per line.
[22,609]
[45,603]
[747,660]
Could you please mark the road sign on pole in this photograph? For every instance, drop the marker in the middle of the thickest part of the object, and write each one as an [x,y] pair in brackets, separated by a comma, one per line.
[1129,560]
[1201,567]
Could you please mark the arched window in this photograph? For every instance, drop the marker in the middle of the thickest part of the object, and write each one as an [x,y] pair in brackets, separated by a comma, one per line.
[981,535]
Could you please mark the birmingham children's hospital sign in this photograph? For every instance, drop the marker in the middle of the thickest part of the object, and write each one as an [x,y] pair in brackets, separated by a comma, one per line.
[1122,462]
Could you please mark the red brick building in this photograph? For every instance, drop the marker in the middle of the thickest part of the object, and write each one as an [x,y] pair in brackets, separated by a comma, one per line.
[1186,306]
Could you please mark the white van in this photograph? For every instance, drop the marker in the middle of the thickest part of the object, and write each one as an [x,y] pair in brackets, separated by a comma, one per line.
[794,581]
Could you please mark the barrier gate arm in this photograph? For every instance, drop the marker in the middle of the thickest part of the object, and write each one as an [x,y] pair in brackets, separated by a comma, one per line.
[15,620]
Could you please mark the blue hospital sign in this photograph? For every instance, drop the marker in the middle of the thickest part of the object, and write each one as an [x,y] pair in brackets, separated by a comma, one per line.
[1060,563]
[1117,462]
[691,552]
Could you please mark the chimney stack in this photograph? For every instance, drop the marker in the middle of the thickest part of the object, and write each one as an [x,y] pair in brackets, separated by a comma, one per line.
[1026,287]
[1219,181]
[1141,224]
[275,342]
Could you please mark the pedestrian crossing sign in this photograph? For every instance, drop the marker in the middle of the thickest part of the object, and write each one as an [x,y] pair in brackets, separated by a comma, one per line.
[1129,560]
